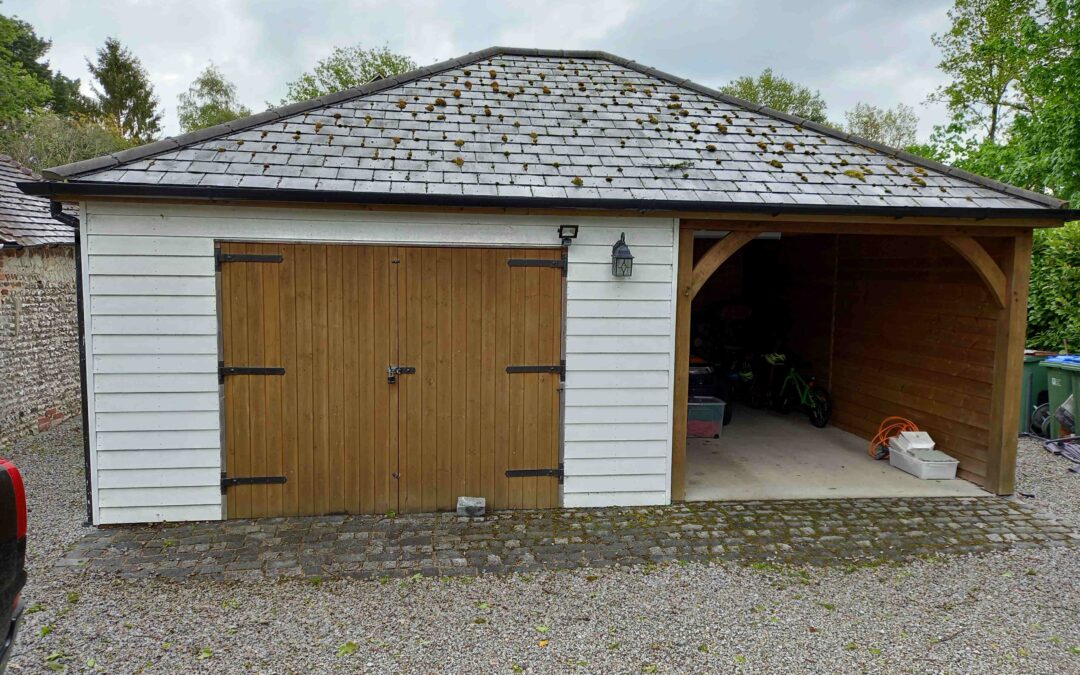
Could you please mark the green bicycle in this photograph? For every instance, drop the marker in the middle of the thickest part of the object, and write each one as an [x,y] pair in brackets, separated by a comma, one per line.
[806,395]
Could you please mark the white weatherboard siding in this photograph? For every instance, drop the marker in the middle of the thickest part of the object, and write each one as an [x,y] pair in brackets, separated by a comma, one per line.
[152,347]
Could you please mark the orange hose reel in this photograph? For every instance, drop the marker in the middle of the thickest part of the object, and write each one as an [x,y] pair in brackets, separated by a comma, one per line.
[890,428]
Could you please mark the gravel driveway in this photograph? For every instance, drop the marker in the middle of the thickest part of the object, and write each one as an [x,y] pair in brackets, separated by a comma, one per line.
[1004,612]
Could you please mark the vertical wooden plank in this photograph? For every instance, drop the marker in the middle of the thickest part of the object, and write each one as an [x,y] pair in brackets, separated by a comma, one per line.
[410,394]
[335,381]
[272,354]
[474,370]
[1008,367]
[394,357]
[531,382]
[256,385]
[368,376]
[443,447]
[682,364]
[320,344]
[350,356]
[430,369]
[287,329]
[305,379]
[458,391]
[502,404]
[489,371]
[380,331]
[517,385]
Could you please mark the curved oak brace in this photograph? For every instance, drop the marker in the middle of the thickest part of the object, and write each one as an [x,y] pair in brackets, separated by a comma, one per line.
[715,257]
[991,274]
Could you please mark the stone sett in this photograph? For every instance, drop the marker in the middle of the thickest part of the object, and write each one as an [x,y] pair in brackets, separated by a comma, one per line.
[809,532]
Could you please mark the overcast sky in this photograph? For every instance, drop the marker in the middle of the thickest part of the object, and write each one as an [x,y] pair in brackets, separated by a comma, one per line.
[851,50]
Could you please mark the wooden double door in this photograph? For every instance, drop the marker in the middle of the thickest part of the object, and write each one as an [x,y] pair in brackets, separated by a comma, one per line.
[316,419]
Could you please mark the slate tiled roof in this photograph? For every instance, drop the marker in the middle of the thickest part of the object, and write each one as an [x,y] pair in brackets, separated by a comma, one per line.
[508,123]
[25,220]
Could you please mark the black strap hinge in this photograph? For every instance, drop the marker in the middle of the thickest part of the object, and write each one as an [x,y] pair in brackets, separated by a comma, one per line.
[560,369]
[537,262]
[220,258]
[228,482]
[224,371]
[534,473]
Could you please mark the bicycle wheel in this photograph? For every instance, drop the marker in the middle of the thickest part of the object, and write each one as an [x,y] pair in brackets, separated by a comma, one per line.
[1040,421]
[821,408]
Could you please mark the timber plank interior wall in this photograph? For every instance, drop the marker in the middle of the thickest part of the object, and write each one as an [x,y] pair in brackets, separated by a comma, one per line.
[914,337]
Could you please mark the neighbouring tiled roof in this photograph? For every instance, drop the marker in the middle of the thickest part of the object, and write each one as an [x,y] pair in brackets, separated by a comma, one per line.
[557,125]
[25,220]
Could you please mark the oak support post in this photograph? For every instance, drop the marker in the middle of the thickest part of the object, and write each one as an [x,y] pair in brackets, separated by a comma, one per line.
[1008,367]
[682,364]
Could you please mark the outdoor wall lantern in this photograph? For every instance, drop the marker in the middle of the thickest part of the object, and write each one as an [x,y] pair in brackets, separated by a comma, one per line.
[622,262]
[567,233]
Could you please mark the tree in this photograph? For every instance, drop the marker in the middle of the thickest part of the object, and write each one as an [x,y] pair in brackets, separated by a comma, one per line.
[23,46]
[779,93]
[345,68]
[895,127]
[1037,145]
[210,100]
[125,97]
[987,66]
[1053,319]
[20,91]
[47,139]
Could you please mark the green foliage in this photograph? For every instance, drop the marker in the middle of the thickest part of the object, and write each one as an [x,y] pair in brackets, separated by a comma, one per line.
[125,97]
[23,46]
[1040,148]
[210,100]
[1016,82]
[1053,316]
[345,68]
[895,127]
[779,93]
[20,90]
[45,140]
[987,66]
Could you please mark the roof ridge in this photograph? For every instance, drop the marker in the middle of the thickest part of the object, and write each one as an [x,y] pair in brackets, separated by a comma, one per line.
[75,169]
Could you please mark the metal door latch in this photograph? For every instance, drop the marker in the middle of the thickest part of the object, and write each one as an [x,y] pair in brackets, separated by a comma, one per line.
[393,371]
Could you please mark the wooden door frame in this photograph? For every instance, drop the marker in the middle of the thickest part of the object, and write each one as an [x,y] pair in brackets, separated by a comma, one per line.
[1006,284]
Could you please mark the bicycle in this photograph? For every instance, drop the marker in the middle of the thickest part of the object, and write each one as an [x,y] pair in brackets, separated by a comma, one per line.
[806,394]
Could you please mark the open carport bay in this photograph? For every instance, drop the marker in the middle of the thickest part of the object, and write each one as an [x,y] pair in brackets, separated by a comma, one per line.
[766,455]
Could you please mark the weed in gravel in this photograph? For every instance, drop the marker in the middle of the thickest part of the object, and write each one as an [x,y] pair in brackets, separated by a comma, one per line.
[347,648]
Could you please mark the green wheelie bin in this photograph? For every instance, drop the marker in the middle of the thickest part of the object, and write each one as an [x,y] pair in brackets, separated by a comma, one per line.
[1062,381]
[1034,383]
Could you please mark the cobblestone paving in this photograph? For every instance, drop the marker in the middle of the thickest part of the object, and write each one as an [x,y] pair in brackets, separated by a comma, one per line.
[814,532]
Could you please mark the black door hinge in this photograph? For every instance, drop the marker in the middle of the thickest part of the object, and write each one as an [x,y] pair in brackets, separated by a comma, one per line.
[539,262]
[227,482]
[224,371]
[220,258]
[531,473]
[560,369]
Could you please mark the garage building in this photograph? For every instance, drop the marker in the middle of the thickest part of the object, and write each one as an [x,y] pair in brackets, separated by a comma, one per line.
[390,297]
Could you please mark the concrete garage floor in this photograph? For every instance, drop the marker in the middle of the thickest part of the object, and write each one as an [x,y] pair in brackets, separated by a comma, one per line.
[766,455]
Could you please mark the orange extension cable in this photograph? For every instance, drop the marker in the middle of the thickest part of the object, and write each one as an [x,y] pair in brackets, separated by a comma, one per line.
[890,428]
